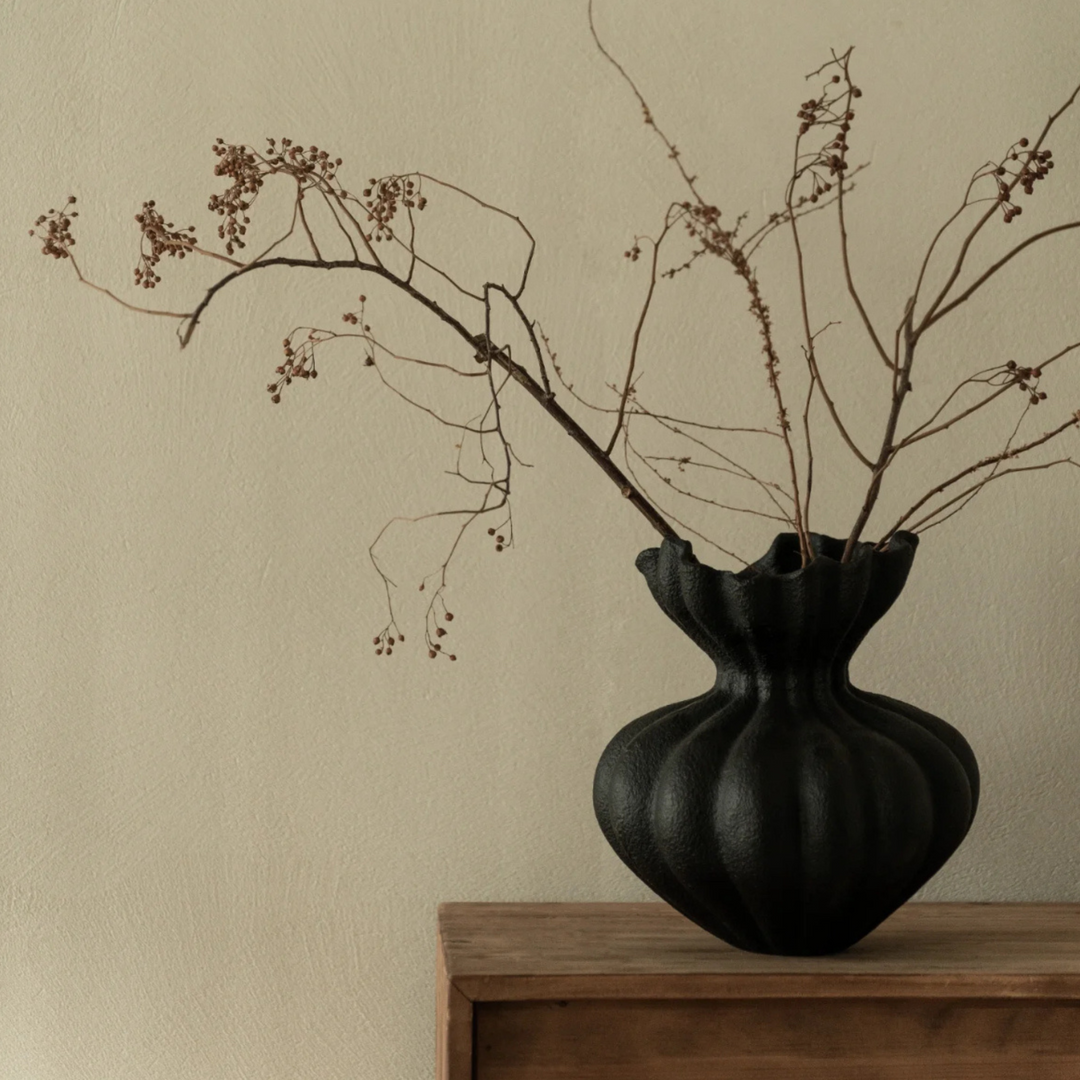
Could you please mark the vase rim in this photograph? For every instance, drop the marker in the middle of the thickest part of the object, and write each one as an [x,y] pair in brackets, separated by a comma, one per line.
[901,542]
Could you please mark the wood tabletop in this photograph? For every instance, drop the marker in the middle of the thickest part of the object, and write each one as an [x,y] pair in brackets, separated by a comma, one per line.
[515,952]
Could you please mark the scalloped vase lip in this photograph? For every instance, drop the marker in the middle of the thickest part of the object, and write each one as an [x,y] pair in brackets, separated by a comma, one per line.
[901,543]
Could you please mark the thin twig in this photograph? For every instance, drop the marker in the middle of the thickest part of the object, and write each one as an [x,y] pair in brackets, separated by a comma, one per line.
[628,382]
[977,228]
[646,460]
[966,495]
[993,269]
[982,464]
[124,303]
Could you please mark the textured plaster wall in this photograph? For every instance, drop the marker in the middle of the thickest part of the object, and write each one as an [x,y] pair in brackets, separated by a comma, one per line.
[224,823]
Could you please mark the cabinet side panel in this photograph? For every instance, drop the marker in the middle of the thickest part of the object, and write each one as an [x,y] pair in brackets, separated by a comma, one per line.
[453,1025]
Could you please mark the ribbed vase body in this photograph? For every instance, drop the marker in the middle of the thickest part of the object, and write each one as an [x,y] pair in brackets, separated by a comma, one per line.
[784,810]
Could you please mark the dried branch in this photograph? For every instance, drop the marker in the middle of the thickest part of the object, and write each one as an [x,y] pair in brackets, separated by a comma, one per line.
[965,498]
[385,215]
[804,205]
[682,524]
[767,487]
[1025,378]
[1004,191]
[629,380]
[1073,421]
[993,269]
[966,495]
[837,162]
[648,459]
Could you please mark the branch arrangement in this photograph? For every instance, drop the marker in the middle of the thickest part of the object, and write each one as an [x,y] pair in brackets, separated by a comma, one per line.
[376,231]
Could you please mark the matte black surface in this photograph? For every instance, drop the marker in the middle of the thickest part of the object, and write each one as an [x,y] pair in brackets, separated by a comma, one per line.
[785,811]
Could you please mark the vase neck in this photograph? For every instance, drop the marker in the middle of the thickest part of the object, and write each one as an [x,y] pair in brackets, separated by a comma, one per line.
[775,616]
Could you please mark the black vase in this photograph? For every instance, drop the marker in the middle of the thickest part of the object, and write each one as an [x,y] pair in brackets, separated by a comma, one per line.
[785,811]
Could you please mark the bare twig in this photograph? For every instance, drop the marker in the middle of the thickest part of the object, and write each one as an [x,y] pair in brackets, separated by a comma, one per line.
[647,461]
[984,218]
[1073,421]
[993,269]
[629,379]
[966,495]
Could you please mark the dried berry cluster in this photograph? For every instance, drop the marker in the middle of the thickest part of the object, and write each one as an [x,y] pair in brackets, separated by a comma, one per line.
[382,199]
[299,364]
[385,641]
[156,233]
[355,317]
[707,219]
[500,540]
[241,165]
[57,236]
[298,162]
[702,222]
[823,110]
[435,647]
[830,110]
[1027,379]
[1030,167]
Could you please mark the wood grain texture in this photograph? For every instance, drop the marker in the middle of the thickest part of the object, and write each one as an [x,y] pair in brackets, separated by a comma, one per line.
[637,992]
[922,1039]
[528,951]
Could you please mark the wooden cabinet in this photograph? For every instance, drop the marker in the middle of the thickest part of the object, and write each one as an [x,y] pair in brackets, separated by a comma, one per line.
[637,992]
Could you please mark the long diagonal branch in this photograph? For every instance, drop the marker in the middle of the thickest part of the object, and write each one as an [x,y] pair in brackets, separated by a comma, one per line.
[547,401]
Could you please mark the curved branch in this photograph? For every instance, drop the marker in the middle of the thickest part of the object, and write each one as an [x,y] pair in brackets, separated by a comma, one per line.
[476,341]
[977,228]
[979,281]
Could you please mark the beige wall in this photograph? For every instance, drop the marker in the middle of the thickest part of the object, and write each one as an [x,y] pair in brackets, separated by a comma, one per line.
[224,824]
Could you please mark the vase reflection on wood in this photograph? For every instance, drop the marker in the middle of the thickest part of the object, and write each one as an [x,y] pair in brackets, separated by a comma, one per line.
[784,810]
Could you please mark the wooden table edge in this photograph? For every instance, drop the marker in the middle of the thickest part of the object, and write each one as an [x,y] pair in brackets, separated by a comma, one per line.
[482,988]
[815,979]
